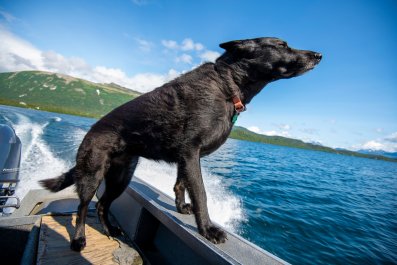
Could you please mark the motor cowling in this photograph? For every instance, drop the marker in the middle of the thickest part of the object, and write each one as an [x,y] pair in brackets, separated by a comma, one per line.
[10,159]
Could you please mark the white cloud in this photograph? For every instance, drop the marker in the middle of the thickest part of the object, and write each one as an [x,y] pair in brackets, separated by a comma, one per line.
[277,133]
[271,133]
[74,66]
[379,130]
[17,54]
[102,73]
[392,138]
[188,45]
[254,129]
[170,44]
[7,16]
[198,46]
[144,45]
[373,145]
[209,56]
[143,82]
[172,74]
[283,130]
[388,144]
[184,58]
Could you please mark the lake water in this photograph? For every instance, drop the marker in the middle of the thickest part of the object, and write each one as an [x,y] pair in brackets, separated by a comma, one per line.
[306,207]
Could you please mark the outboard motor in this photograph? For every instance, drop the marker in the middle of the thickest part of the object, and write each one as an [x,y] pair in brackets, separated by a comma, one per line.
[10,159]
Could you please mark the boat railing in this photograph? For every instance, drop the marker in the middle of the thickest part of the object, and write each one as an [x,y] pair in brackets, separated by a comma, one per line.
[162,235]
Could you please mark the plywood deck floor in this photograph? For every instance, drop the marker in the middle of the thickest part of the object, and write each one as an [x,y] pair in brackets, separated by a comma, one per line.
[54,243]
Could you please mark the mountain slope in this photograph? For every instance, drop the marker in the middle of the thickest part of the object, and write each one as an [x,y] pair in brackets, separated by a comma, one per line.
[242,133]
[61,93]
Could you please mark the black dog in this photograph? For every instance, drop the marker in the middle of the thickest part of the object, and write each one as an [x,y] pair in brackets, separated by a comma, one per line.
[179,122]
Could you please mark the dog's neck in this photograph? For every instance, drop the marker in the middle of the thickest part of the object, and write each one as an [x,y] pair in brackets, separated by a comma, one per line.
[236,80]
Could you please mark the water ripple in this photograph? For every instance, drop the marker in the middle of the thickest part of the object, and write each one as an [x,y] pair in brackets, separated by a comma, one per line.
[312,207]
[306,207]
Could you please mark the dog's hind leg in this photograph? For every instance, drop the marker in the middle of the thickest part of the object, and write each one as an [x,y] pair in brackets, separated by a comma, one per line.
[189,170]
[88,176]
[117,179]
[179,189]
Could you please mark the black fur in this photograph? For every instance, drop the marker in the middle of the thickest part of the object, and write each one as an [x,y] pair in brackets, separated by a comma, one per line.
[179,122]
[58,183]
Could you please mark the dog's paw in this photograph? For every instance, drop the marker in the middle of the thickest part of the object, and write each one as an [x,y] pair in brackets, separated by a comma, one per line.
[214,234]
[112,231]
[185,208]
[78,244]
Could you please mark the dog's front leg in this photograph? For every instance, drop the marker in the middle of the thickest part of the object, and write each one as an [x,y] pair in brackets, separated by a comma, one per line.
[181,205]
[189,170]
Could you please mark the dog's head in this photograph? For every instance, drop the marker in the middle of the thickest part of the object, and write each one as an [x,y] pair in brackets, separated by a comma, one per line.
[271,59]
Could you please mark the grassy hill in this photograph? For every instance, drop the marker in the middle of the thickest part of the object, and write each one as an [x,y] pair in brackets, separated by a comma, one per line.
[242,133]
[61,93]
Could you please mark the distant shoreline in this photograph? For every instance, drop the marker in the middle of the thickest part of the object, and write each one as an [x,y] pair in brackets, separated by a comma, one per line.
[58,93]
[48,108]
[241,133]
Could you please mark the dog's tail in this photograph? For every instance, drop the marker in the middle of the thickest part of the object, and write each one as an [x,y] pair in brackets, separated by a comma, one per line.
[59,183]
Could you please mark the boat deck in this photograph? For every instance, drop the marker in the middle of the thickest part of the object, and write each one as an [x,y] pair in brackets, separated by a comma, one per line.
[39,232]
[56,232]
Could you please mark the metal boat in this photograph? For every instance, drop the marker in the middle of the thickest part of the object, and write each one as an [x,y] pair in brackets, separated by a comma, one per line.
[39,230]
[10,159]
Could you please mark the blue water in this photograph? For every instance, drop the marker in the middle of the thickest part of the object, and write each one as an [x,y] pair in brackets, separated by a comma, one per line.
[306,207]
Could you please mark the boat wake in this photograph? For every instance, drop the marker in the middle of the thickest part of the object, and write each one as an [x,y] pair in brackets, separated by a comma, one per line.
[37,160]
[224,207]
[46,155]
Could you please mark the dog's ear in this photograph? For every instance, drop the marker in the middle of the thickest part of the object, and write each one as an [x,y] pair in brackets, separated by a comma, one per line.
[239,46]
[228,46]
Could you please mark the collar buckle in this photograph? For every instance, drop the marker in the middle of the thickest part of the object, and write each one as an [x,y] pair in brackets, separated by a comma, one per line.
[238,105]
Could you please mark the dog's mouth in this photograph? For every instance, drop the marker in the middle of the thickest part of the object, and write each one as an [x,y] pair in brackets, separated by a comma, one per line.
[304,63]
[315,60]
[309,64]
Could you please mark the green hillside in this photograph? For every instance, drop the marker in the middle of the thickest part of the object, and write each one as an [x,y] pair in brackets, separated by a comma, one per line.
[61,93]
[242,133]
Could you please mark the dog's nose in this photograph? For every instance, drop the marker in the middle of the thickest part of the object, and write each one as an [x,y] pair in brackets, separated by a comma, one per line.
[318,56]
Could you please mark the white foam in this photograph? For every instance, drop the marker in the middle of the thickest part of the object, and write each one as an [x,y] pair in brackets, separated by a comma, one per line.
[74,139]
[78,135]
[37,160]
[223,206]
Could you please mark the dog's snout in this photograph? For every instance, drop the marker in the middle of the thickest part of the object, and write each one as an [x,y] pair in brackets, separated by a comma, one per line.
[318,56]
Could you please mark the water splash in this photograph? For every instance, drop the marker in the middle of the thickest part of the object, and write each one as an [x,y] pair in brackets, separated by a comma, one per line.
[37,160]
[40,160]
[224,207]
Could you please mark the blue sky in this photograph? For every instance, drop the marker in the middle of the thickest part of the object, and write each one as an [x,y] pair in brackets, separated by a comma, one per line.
[349,100]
